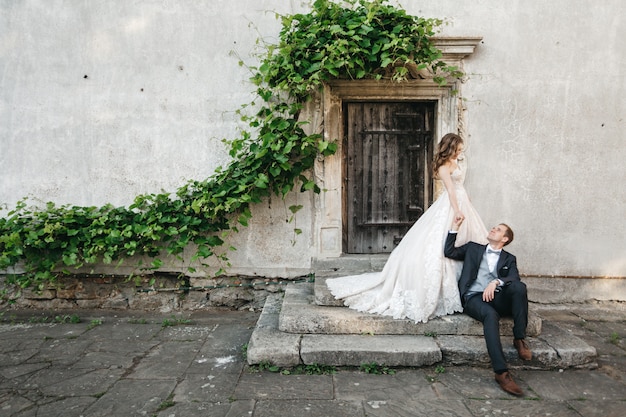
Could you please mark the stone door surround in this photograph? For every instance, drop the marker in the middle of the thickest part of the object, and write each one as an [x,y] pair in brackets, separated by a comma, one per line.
[329,210]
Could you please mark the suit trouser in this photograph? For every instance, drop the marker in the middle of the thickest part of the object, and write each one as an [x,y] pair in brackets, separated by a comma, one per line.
[511,300]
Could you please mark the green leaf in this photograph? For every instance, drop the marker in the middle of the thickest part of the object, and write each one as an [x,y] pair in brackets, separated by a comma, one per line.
[309,185]
[203,251]
[214,241]
[261,181]
[195,206]
[275,171]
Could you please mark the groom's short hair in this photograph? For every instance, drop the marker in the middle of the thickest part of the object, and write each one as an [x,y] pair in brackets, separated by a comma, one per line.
[508,233]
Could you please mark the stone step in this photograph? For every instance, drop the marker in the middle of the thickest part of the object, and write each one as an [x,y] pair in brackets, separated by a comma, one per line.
[322,295]
[268,344]
[301,314]
[355,350]
[350,264]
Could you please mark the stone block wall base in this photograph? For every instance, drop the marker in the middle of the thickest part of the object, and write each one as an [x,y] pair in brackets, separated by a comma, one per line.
[156,292]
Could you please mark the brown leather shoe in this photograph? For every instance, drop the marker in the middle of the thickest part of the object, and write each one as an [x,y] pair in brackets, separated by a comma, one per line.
[522,349]
[507,384]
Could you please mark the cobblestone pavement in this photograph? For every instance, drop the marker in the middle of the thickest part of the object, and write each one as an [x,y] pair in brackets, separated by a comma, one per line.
[120,363]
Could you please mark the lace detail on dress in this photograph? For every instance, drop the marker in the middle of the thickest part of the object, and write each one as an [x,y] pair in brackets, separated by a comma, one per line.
[417,282]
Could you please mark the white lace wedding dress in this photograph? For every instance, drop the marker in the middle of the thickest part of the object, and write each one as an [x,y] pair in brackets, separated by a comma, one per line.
[417,282]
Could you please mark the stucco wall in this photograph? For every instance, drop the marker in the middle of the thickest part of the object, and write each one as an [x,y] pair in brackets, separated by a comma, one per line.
[545,104]
[103,100]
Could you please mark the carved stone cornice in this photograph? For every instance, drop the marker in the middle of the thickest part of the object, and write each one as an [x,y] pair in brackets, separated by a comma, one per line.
[456,48]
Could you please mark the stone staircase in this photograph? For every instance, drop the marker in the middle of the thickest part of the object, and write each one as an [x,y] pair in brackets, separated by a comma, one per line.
[306,325]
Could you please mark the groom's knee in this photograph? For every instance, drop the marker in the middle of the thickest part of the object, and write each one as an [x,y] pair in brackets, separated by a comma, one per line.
[517,288]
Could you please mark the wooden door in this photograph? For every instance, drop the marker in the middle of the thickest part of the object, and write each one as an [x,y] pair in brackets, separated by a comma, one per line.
[388,153]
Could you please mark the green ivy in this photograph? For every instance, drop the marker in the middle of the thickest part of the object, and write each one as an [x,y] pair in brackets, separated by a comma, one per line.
[356,39]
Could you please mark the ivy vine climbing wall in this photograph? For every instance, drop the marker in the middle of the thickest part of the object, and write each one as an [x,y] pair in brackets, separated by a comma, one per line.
[354,39]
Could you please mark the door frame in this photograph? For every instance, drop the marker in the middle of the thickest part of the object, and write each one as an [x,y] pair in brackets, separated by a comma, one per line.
[449,117]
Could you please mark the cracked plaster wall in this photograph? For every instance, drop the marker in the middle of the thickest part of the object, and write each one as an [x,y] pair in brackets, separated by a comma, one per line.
[101,101]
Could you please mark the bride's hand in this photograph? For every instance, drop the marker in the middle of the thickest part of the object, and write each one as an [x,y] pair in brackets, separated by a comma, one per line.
[456,222]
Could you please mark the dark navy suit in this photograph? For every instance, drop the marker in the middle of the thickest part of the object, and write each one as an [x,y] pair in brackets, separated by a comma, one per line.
[511,299]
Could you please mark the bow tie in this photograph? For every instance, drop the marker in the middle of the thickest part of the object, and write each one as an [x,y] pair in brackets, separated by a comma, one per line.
[495,252]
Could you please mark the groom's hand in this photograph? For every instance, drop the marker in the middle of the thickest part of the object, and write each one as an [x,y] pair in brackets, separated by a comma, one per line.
[456,223]
[490,292]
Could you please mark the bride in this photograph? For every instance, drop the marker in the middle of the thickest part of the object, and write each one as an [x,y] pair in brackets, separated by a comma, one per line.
[418,282]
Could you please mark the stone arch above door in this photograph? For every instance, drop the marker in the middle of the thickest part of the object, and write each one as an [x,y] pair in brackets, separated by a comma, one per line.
[328,117]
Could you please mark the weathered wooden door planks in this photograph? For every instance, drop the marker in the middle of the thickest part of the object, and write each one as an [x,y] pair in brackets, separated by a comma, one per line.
[388,150]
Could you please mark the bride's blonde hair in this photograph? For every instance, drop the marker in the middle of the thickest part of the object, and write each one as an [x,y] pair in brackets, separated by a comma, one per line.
[445,150]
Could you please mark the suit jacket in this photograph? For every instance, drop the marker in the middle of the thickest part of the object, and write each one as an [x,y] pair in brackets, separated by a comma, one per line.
[471,254]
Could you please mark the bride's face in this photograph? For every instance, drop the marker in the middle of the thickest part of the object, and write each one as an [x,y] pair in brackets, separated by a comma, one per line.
[458,151]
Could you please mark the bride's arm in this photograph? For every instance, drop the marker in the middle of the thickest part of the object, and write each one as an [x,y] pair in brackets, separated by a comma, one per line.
[445,174]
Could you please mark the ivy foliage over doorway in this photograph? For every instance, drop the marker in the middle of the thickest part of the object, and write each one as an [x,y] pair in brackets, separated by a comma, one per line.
[354,39]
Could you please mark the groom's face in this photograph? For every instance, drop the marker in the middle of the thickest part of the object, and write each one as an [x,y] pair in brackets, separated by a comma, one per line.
[496,235]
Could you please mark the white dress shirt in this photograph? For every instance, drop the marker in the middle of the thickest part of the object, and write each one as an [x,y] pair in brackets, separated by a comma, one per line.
[493,255]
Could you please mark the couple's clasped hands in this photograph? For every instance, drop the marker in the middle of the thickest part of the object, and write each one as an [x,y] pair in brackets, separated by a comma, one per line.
[458,219]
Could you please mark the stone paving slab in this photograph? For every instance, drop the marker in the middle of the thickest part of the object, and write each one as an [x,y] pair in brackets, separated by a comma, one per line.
[114,374]
[575,385]
[122,332]
[120,367]
[416,407]
[132,397]
[284,387]
[405,383]
[197,408]
[36,331]
[80,382]
[475,383]
[66,407]
[520,408]
[592,408]
[214,387]
[571,350]
[166,359]
[298,408]
[11,372]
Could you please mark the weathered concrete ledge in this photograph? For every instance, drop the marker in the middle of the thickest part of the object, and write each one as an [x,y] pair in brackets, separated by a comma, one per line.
[301,314]
[550,290]
[267,343]
[355,350]
[541,289]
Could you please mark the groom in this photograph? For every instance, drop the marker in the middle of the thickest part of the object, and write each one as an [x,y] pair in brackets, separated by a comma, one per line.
[490,287]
